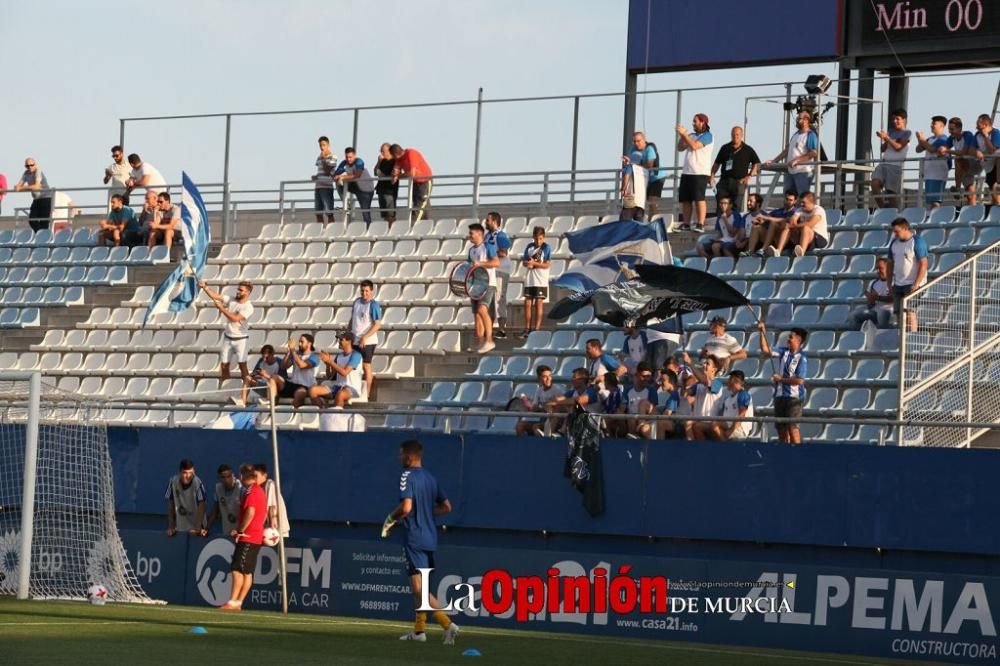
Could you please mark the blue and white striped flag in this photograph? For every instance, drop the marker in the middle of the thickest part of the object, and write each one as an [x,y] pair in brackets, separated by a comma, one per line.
[180,289]
[609,252]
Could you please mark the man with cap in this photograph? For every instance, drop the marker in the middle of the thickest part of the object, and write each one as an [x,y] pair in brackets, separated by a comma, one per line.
[722,345]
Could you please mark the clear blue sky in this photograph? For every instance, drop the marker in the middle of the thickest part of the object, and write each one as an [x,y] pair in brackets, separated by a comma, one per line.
[72,69]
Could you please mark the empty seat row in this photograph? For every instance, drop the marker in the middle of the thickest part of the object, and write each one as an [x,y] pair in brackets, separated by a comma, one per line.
[22,276]
[81,256]
[41,296]
[24,237]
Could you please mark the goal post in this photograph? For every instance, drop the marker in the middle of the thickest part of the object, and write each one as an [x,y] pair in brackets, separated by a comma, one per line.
[58,531]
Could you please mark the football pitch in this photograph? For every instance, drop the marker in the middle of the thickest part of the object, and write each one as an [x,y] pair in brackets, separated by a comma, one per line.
[37,632]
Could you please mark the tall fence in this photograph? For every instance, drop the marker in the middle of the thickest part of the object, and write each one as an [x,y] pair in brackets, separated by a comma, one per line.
[950,353]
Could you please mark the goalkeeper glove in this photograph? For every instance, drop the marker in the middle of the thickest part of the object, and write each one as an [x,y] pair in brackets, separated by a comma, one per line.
[387,525]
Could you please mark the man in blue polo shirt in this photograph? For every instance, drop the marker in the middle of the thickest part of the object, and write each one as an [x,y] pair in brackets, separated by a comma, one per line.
[789,381]
[420,501]
[908,262]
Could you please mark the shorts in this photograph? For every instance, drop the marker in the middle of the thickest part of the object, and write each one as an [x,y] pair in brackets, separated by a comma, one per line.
[337,388]
[367,353]
[417,559]
[231,347]
[245,557]
[818,242]
[787,408]
[536,294]
[933,191]
[798,182]
[289,388]
[324,200]
[486,300]
[991,177]
[891,176]
[732,189]
[655,187]
[972,169]
[898,292]
[692,188]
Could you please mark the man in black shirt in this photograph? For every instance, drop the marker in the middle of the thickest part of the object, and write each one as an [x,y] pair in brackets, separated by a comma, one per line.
[739,163]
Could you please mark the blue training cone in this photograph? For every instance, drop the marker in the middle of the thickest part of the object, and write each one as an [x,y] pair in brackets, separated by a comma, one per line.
[472,652]
[198,630]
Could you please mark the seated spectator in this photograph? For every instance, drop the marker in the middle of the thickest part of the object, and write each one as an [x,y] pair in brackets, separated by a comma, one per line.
[888,174]
[706,392]
[149,214]
[730,233]
[640,399]
[343,374]
[766,227]
[599,363]
[266,372]
[163,228]
[936,162]
[121,225]
[806,228]
[545,393]
[737,403]
[668,400]
[582,394]
[633,349]
[879,300]
[721,345]
[302,359]
[611,399]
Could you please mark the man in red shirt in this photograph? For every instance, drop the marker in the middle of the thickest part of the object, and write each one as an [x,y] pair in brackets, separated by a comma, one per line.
[411,163]
[249,536]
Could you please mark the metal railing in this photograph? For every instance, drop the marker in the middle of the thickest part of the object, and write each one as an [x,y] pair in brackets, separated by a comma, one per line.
[949,354]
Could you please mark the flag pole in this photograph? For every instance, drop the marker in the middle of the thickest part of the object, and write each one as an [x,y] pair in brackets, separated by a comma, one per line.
[774,368]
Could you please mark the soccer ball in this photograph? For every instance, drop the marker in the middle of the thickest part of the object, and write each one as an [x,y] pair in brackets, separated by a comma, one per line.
[271,536]
[97,594]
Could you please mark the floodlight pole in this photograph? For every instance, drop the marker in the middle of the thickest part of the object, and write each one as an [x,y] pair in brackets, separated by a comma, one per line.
[28,492]
[272,398]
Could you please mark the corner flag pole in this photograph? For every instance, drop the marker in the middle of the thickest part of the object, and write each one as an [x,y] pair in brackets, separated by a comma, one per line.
[272,399]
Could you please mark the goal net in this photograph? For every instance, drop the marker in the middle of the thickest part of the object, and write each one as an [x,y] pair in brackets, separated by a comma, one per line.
[55,445]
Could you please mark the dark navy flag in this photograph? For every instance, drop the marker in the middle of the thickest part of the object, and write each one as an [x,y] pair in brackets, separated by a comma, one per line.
[180,289]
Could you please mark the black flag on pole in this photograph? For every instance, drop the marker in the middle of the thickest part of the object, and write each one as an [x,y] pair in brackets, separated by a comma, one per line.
[658,292]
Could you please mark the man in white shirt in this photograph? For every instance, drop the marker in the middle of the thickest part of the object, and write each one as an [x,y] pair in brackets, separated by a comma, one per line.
[721,345]
[300,363]
[937,161]
[707,394]
[237,312]
[697,170]
[326,163]
[483,255]
[908,262]
[879,300]
[806,228]
[145,175]
[888,175]
[343,374]
[117,174]
[366,322]
[277,515]
[802,150]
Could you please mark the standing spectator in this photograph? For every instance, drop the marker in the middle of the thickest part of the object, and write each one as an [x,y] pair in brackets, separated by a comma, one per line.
[599,363]
[961,146]
[721,345]
[908,262]
[707,392]
[148,216]
[633,192]
[697,170]
[789,381]
[987,148]
[739,163]
[34,181]
[806,228]
[343,374]
[640,399]
[266,372]
[185,497]
[888,175]
[410,163]
[117,173]
[249,536]
[537,259]
[730,233]
[387,187]
[303,360]
[323,197]
[936,162]
[144,174]
[236,337]
[545,392]
[483,255]
[120,225]
[353,174]
[766,227]
[277,515]
[3,190]
[645,154]
[737,403]
[634,348]
[228,491]
[499,239]
[803,148]
[878,300]
[163,227]
[366,322]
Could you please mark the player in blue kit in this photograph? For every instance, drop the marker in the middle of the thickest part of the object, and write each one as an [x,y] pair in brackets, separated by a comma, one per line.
[420,500]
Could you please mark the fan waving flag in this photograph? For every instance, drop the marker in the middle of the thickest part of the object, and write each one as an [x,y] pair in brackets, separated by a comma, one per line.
[178,291]
[610,252]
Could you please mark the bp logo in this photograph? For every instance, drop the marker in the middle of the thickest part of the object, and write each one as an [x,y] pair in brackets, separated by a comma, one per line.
[104,566]
[211,573]
[10,547]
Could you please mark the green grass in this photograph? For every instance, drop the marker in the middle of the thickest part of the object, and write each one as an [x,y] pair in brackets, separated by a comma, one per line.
[46,632]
